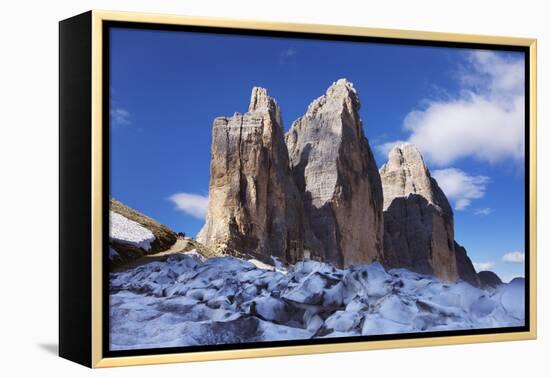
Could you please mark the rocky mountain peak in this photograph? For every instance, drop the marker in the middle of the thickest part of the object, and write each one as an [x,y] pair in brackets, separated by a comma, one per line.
[254,206]
[339,96]
[334,168]
[418,220]
[316,192]
[404,154]
[489,280]
[406,173]
[342,88]
[261,101]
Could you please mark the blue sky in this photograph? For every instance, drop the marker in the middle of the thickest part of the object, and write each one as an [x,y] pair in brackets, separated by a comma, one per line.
[462,108]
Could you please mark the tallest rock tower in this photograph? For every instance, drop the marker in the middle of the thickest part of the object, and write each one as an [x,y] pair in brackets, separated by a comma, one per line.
[334,169]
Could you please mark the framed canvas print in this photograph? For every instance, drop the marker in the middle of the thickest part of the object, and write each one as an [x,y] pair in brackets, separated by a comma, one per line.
[235,189]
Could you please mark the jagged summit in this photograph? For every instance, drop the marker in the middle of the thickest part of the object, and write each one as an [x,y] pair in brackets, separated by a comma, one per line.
[406,173]
[339,94]
[341,87]
[260,100]
[402,151]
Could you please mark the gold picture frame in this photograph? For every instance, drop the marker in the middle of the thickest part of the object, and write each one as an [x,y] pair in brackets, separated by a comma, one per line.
[93,356]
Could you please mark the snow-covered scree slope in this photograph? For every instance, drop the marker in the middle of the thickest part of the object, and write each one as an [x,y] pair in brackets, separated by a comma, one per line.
[126,231]
[187,300]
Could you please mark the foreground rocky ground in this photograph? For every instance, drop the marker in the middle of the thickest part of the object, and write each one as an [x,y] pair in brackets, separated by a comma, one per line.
[189,300]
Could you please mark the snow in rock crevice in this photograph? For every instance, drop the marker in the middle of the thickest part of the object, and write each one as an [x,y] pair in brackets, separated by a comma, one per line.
[187,301]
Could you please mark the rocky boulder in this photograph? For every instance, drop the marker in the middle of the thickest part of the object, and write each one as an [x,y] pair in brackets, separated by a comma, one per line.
[187,300]
[418,220]
[334,169]
[489,280]
[254,206]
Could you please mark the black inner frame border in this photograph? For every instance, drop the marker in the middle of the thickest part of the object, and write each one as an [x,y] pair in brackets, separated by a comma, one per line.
[107,25]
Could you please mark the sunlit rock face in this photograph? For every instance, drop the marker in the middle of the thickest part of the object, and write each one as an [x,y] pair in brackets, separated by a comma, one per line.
[418,220]
[254,206]
[316,193]
[334,169]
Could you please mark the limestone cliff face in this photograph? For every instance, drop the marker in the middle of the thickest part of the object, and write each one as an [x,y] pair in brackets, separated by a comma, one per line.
[466,270]
[418,220]
[254,205]
[335,171]
[316,193]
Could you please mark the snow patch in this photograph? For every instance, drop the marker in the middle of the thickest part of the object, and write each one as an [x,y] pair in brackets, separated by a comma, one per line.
[126,231]
[187,300]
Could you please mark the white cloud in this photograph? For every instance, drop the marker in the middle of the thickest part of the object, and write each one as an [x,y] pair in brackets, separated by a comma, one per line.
[119,116]
[483,211]
[192,204]
[514,257]
[480,266]
[286,54]
[485,120]
[460,187]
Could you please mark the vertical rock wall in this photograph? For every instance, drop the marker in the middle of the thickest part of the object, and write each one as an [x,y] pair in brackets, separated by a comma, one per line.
[335,171]
[254,205]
